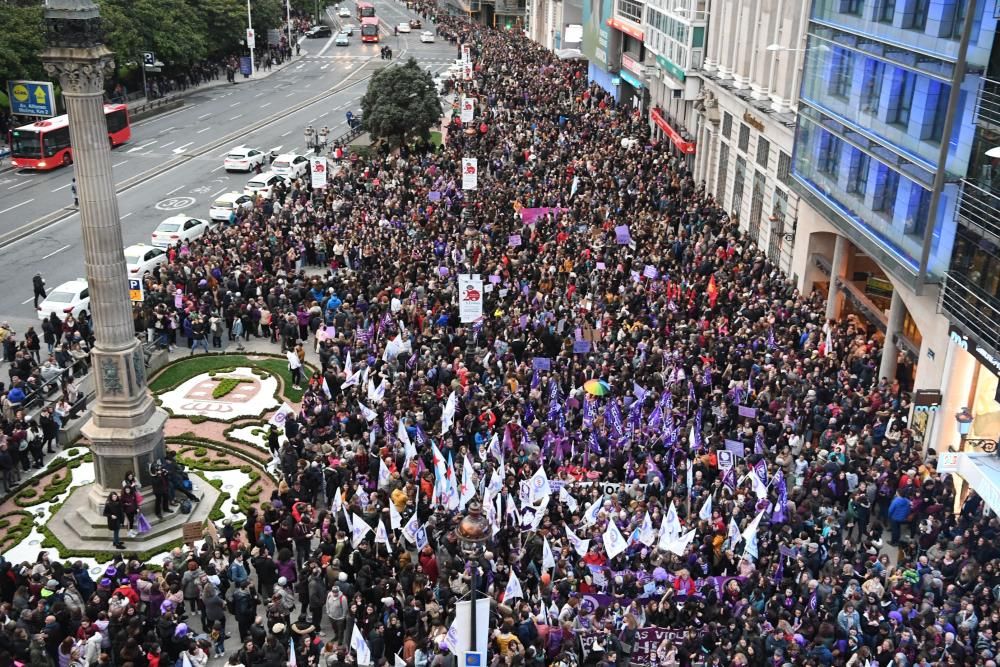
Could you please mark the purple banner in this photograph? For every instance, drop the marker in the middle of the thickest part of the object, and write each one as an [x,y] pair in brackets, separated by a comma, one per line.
[746,411]
[736,447]
[541,363]
[581,346]
[622,235]
[514,240]
[529,215]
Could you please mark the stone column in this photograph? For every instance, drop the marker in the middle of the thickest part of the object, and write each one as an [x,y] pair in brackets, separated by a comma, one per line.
[838,271]
[126,426]
[897,309]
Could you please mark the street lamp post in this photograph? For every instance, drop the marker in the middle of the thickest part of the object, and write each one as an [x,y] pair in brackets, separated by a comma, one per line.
[250,42]
[473,532]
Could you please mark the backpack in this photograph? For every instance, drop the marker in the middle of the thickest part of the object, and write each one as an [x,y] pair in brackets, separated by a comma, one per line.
[186,507]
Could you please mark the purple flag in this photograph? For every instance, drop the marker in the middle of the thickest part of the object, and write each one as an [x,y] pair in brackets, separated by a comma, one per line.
[758,444]
[529,414]
[760,469]
[613,416]
[656,417]
[778,516]
[589,411]
[420,436]
[707,376]
[554,409]
[770,339]
[729,479]
[535,380]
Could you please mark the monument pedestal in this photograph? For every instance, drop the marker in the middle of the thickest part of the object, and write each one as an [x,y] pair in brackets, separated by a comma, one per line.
[81,526]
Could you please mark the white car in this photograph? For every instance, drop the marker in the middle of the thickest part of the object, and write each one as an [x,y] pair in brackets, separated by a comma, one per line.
[427,37]
[403,27]
[290,165]
[348,29]
[178,228]
[242,158]
[344,13]
[225,204]
[263,185]
[141,259]
[68,299]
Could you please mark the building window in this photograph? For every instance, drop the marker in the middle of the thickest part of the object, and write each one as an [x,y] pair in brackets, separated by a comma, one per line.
[727,124]
[777,225]
[885,11]
[935,108]
[840,73]
[631,10]
[828,159]
[901,97]
[857,176]
[851,7]
[886,185]
[741,167]
[756,205]
[720,186]
[917,210]
[784,168]
[763,151]
[915,14]
[744,142]
[871,92]
[958,11]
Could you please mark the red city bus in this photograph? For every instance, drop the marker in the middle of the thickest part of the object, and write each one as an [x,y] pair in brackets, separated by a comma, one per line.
[369,29]
[45,145]
[365,10]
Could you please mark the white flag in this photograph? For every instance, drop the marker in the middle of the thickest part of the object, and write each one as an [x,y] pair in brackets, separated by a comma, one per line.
[614,541]
[494,448]
[706,510]
[397,661]
[326,388]
[647,534]
[579,545]
[451,639]
[395,518]
[468,489]
[279,417]
[750,535]
[759,488]
[548,559]
[359,645]
[590,516]
[680,545]
[338,501]
[381,536]
[411,528]
[670,528]
[351,380]
[734,536]
[369,414]
[568,500]
[375,394]
[539,485]
[359,528]
[348,367]
[448,414]
[513,590]
[401,433]
[384,476]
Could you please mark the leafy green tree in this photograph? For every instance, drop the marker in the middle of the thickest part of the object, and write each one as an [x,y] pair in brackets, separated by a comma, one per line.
[401,104]
[23,31]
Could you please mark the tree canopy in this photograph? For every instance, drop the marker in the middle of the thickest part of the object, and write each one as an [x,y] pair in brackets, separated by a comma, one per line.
[401,104]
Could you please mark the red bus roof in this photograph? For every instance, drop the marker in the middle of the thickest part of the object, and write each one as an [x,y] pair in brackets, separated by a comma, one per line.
[57,122]
[369,20]
[362,5]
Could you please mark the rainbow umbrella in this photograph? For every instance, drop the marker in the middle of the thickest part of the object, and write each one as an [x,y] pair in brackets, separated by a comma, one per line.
[597,387]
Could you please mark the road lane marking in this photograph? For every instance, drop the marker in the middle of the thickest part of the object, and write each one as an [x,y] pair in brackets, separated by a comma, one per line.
[25,182]
[143,147]
[169,143]
[63,187]
[17,205]
[276,149]
[181,149]
[287,133]
[27,300]
[236,117]
[235,104]
[175,190]
[204,116]
[219,192]
[119,164]
[265,105]
[203,130]
[218,168]
[126,215]
[56,252]
[289,94]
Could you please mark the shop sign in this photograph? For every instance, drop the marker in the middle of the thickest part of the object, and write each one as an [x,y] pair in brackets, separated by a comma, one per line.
[671,69]
[685,146]
[632,79]
[753,121]
[984,356]
[948,462]
[629,63]
[627,28]
[927,400]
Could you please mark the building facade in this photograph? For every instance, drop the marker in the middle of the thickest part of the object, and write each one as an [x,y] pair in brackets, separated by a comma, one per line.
[555,24]
[745,118]
[885,133]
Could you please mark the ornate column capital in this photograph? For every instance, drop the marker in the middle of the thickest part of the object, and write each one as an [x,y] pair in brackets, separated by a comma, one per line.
[81,76]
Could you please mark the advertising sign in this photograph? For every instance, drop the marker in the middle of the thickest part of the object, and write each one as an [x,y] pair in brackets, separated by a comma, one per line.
[251,39]
[470,297]
[318,169]
[596,32]
[470,173]
[31,98]
[468,109]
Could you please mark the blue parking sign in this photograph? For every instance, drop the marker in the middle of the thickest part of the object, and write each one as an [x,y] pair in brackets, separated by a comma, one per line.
[32,98]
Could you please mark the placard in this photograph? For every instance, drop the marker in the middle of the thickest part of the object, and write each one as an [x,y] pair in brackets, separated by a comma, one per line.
[470,297]
[541,364]
[581,346]
[470,173]
[736,447]
[726,459]
[317,167]
[495,280]
[747,411]
[622,235]
[514,240]
[468,107]
[650,272]
[191,532]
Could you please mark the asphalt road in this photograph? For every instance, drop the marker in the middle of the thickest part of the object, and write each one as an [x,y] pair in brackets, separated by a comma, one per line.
[269,113]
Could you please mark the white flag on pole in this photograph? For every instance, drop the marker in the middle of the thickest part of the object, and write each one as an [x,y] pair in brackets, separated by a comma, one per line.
[568,500]
[395,518]
[359,528]
[351,380]
[448,414]
[369,414]
[359,645]
[590,516]
[734,536]
[279,417]
[381,536]
[468,488]
[513,590]
[579,545]
[680,545]
[706,510]
[647,534]
[384,476]
[614,541]
[539,485]
[348,367]
[548,559]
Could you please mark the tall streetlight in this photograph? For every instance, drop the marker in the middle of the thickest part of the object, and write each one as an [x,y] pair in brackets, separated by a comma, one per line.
[473,532]
[251,38]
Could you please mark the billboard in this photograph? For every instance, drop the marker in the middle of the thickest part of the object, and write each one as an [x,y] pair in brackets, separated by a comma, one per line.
[596,32]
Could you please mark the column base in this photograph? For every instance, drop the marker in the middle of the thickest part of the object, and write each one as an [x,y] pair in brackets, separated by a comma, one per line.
[758,93]
[709,65]
[741,82]
[725,72]
[118,451]
[780,104]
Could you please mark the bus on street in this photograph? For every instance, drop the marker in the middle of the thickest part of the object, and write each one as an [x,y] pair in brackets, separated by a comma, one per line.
[365,10]
[369,29]
[45,144]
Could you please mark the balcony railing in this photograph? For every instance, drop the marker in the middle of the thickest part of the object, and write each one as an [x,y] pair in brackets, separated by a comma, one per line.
[979,206]
[510,7]
[988,105]
[972,309]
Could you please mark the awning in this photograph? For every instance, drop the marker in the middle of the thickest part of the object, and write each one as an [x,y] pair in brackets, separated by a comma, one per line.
[570,54]
[626,27]
[980,470]
[686,146]
[671,83]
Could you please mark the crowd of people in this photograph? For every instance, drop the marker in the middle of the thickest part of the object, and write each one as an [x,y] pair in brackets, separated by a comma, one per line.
[679,461]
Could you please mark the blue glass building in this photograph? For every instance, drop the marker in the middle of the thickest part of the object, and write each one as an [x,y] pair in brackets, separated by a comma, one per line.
[872,118]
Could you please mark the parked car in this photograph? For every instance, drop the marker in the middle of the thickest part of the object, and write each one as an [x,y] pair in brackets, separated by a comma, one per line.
[403,27]
[427,37]
[178,228]
[290,165]
[68,299]
[343,40]
[263,185]
[243,158]
[416,24]
[225,204]
[141,259]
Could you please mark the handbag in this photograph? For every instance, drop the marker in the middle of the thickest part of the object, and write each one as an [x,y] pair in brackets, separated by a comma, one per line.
[141,524]
[138,498]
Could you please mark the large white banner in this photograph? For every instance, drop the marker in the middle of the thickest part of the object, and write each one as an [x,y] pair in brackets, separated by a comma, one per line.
[463,623]
[468,109]
[470,297]
[317,167]
[470,173]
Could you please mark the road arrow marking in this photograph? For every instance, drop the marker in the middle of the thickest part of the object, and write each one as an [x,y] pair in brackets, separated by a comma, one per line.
[181,149]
